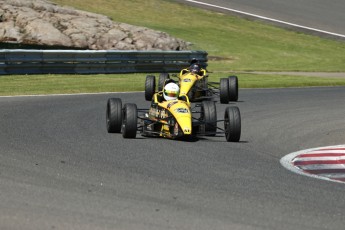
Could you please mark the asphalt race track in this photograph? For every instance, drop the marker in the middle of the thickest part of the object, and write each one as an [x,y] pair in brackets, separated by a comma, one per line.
[317,14]
[60,169]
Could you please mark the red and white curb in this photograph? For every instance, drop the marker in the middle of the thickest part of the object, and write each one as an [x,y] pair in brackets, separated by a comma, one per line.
[326,163]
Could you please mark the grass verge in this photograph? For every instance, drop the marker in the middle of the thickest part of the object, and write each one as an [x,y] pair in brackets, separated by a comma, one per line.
[65,84]
[236,44]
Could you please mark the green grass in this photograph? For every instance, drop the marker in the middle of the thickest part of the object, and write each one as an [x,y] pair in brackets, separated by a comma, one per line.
[63,84]
[245,45]
[69,83]
[234,44]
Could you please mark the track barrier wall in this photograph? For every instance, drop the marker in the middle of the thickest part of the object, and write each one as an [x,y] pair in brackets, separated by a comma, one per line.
[20,61]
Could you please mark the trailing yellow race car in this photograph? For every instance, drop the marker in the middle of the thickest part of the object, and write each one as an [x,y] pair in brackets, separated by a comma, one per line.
[173,119]
[194,83]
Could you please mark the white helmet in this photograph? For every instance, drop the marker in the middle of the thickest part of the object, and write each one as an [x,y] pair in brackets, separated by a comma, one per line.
[171,91]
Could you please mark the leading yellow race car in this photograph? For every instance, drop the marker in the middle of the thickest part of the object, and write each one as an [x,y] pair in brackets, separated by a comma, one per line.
[174,119]
[193,82]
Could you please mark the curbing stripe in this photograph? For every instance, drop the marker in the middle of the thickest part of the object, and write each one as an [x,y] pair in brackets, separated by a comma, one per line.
[320,171]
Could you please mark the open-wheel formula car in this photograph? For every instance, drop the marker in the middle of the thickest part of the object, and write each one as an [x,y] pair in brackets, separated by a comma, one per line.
[196,86]
[173,119]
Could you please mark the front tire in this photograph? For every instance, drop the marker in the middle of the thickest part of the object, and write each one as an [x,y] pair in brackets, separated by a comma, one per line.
[129,120]
[114,115]
[232,124]
[150,87]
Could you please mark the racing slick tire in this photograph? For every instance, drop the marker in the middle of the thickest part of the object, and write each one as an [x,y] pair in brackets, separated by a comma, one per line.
[232,124]
[129,120]
[224,91]
[209,116]
[114,115]
[233,88]
[150,87]
[161,79]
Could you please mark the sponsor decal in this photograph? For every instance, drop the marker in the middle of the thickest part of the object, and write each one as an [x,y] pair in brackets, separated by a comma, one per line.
[163,114]
[153,112]
[160,113]
[181,110]
[187,80]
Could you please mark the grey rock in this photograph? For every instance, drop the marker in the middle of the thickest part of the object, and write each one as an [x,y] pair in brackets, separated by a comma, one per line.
[40,22]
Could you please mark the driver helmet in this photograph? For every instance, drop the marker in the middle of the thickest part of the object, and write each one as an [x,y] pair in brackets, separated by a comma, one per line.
[195,68]
[171,91]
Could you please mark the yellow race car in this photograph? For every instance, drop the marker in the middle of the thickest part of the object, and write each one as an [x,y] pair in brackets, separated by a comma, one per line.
[173,119]
[194,83]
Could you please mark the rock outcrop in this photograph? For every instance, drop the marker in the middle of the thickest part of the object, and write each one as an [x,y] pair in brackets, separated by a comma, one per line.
[40,22]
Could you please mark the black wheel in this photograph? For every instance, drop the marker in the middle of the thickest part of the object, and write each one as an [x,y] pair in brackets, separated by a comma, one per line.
[224,91]
[129,121]
[232,124]
[161,80]
[150,87]
[209,116]
[114,115]
[233,88]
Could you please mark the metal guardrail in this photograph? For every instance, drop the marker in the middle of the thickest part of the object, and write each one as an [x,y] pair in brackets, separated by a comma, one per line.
[95,62]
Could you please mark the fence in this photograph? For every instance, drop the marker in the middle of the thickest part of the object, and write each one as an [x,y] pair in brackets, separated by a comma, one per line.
[95,62]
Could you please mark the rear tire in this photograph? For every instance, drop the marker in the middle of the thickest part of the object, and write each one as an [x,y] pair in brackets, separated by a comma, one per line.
[233,88]
[150,87]
[232,124]
[224,91]
[114,115]
[129,120]
[161,79]
[209,116]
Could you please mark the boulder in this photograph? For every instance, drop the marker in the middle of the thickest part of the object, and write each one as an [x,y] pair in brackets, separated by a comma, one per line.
[42,23]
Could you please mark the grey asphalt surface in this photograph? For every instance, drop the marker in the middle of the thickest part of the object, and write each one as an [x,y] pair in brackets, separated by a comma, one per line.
[60,169]
[319,14]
